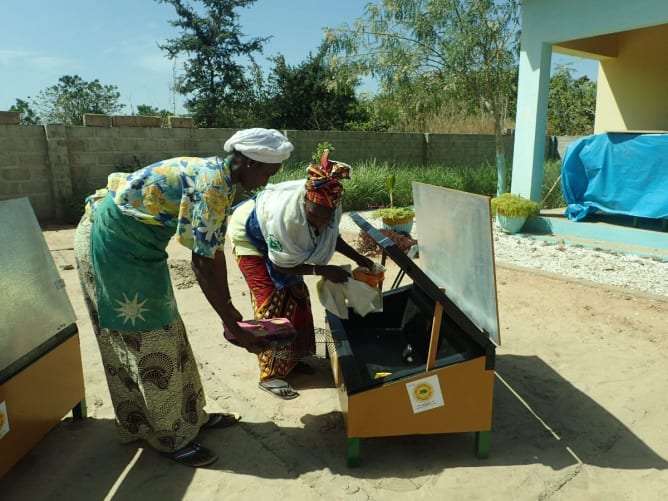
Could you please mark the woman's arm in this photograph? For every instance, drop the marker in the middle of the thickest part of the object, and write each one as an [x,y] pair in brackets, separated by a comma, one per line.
[345,249]
[211,274]
[332,273]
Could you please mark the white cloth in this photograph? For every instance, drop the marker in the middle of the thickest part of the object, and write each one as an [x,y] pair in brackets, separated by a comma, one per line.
[359,296]
[262,145]
[290,239]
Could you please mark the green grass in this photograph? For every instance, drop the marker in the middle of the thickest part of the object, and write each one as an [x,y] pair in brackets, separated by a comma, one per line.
[365,190]
[552,197]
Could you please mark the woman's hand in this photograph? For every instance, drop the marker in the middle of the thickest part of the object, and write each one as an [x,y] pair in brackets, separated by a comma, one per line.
[333,273]
[246,339]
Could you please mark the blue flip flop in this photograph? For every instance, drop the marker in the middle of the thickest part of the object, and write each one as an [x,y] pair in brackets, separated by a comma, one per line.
[221,420]
[193,455]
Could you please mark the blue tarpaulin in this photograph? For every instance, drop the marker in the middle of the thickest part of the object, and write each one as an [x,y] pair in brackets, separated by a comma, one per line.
[616,173]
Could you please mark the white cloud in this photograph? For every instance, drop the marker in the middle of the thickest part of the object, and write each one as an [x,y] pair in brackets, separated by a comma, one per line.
[48,62]
[8,56]
[143,53]
[32,59]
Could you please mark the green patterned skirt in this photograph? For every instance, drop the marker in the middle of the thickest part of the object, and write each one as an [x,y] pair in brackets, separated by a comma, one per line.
[152,374]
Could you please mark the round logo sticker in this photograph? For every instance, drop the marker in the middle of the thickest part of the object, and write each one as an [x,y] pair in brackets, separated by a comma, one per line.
[423,392]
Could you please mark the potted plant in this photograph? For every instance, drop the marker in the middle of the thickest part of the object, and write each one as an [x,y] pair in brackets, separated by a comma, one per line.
[512,211]
[399,219]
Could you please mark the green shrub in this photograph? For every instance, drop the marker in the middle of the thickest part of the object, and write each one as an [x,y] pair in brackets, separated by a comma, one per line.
[509,204]
[365,190]
[394,213]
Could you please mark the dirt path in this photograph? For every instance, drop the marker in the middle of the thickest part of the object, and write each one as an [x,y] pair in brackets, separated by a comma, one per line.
[579,412]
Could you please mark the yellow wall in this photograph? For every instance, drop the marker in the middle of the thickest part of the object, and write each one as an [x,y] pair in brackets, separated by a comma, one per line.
[632,87]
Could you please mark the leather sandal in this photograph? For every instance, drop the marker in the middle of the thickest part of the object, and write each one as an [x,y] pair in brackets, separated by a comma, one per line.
[279,388]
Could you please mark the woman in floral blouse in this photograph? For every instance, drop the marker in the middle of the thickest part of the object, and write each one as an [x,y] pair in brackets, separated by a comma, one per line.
[120,250]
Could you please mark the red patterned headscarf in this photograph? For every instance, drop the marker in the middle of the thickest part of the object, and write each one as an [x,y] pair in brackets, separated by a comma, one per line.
[323,186]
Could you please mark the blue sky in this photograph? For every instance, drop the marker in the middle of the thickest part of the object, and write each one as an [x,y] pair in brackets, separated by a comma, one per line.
[115,41]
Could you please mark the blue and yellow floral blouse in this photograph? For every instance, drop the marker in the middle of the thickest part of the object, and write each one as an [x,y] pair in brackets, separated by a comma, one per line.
[191,194]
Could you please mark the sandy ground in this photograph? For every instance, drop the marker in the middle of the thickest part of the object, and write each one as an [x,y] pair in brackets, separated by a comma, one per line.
[580,412]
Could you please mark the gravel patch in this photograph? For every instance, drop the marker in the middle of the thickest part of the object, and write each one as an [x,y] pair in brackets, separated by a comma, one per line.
[631,272]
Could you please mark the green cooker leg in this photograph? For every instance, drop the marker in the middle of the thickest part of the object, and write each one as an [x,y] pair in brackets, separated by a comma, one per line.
[353,452]
[79,411]
[482,443]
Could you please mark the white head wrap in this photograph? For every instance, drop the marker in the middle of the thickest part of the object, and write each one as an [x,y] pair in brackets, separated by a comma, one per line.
[262,145]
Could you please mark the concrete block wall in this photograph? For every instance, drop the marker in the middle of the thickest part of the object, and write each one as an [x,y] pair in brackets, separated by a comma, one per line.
[25,167]
[10,117]
[57,164]
[439,149]
[95,152]
[354,147]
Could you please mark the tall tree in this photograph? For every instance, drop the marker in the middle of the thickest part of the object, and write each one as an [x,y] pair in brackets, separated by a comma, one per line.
[214,78]
[313,95]
[67,101]
[465,48]
[28,116]
[255,96]
[148,110]
[571,103]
